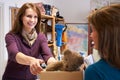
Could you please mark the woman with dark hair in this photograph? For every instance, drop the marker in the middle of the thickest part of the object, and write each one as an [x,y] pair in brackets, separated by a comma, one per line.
[105,24]
[27,47]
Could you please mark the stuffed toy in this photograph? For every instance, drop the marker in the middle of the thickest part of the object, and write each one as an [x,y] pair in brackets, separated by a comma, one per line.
[71,61]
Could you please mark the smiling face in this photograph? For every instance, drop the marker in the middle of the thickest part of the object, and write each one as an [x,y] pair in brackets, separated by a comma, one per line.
[29,19]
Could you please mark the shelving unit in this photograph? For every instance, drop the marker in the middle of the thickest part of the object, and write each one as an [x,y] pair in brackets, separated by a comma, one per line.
[54,20]
[53,38]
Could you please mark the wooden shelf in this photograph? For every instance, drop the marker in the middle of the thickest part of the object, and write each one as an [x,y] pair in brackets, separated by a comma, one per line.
[47,17]
[50,45]
[53,37]
[59,19]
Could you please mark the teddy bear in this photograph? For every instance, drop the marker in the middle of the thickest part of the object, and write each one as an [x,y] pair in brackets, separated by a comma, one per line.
[71,61]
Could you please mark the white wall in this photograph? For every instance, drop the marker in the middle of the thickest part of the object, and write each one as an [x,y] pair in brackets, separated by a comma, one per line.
[2,54]
[74,11]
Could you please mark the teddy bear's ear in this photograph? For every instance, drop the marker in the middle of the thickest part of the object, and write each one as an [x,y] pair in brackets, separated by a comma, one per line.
[67,52]
[81,59]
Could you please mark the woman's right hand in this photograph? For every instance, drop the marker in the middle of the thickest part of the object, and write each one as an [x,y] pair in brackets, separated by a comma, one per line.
[35,67]
[34,63]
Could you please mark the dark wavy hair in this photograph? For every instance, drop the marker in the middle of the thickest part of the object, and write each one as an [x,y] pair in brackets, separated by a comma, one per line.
[106,21]
[18,24]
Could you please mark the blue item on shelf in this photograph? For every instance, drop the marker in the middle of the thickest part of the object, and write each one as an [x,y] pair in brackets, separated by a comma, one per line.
[59,30]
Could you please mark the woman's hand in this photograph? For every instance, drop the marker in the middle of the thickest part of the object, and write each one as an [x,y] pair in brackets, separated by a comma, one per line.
[34,63]
[51,60]
[35,67]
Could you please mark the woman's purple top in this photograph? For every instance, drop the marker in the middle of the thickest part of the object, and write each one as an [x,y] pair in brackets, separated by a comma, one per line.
[16,43]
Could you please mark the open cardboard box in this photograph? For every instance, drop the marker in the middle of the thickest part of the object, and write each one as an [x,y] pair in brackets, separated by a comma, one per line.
[61,75]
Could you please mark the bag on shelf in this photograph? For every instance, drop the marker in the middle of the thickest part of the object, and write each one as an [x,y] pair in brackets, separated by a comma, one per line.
[47,8]
[41,7]
[55,12]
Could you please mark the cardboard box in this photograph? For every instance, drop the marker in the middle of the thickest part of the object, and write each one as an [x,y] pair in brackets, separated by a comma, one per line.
[61,75]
